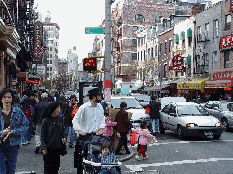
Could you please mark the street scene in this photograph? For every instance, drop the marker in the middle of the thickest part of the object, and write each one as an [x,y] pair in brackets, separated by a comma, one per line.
[116,86]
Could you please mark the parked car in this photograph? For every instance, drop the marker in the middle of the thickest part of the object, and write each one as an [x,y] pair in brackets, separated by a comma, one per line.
[189,119]
[142,98]
[133,106]
[223,111]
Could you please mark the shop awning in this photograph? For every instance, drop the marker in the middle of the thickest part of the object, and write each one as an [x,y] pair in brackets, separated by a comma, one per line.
[188,60]
[189,32]
[196,84]
[218,84]
[176,38]
[164,86]
[182,35]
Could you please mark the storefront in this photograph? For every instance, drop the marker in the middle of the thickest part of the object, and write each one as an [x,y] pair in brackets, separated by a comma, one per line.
[220,84]
[191,89]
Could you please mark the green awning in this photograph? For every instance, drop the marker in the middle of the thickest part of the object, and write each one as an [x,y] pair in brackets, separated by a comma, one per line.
[182,35]
[189,33]
[176,38]
[188,60]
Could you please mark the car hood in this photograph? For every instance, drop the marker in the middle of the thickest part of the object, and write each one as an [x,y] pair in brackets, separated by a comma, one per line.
[228,113]
[201,120]
[137,114]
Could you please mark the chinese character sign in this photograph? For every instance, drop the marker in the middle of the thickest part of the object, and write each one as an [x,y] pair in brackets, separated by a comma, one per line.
[177,60]
[231,5]
[226,42]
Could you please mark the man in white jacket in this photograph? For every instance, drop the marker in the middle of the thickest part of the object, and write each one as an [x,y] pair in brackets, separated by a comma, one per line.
[88,120]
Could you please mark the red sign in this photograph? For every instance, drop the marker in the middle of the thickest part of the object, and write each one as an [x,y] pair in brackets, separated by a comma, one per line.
[89,64]
[218,84]
[177,60]
[177,68]
[107,83]
[226,42]
[231,5]
[226,74]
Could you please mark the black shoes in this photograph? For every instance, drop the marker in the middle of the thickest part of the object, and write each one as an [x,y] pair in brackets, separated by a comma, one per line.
[37,150]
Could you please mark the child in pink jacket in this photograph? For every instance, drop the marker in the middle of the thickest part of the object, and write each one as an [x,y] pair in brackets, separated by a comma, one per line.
[143,141]
[108,125]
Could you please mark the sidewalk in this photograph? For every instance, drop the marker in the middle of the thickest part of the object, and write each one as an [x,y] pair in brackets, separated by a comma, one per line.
[126,157]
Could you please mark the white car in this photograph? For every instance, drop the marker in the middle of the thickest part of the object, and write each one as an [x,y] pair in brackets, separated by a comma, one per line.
[189,119]
[133,106]
[143,99]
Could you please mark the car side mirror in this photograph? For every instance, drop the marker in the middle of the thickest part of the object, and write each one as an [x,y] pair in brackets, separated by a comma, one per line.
[173,114]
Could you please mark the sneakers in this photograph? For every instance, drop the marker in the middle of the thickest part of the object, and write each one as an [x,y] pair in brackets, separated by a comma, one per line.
[137,157]
[37,150]
[144,157]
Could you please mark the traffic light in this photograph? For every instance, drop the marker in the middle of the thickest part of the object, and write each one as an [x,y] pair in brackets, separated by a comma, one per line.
[89,64]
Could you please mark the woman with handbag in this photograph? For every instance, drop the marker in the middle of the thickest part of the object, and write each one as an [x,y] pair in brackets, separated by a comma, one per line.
[52,139]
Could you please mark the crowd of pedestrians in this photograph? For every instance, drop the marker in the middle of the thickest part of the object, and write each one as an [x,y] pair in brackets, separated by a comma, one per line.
[51,118]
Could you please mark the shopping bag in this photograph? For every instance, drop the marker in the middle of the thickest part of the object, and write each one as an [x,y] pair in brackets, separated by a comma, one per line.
[132,138]
[74,111]
[147,111]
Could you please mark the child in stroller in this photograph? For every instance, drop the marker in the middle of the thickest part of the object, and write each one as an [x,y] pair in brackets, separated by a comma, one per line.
[96,161]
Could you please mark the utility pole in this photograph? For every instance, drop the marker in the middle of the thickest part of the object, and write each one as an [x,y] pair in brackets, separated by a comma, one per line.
[107,69]
[161,69]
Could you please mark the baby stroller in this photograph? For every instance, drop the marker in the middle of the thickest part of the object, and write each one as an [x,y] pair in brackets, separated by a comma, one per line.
[93,147]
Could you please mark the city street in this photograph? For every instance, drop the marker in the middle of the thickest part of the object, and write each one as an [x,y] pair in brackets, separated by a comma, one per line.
[169,155]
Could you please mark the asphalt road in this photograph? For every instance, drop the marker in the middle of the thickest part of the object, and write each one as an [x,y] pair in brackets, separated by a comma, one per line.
[168,156]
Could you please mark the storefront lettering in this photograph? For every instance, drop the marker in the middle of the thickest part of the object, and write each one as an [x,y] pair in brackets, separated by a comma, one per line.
[226,42]
[222,75]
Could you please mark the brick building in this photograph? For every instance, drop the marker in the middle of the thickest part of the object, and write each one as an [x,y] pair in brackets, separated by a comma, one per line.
[127,18]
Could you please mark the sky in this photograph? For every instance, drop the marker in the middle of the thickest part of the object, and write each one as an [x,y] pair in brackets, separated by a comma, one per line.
[73,16]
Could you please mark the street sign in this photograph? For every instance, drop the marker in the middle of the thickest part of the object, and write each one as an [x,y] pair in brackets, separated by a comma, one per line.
[94,30]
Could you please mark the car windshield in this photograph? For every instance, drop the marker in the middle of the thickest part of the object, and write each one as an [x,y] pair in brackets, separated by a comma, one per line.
[131,103]
[188,110]
[145,98]
[227,106]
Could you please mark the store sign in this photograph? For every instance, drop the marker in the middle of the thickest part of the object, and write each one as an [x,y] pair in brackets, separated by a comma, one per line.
[226,74]
[218,84]
[231,5]
[226,42]
[177,60]
[177,68]
[197,86]
[38,48]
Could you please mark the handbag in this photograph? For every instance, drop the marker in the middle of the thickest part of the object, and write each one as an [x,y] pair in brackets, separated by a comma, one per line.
[74,111]
[63,150]
[132,138]
[147,111]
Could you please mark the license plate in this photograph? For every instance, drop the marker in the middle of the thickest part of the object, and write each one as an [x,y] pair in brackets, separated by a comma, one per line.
[208,133]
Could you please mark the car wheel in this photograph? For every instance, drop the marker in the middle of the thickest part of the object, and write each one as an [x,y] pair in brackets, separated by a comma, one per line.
[216,137]
[161,128]
[180,132]
[225,124]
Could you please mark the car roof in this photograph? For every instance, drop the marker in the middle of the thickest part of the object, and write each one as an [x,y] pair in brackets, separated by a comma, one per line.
[122,97]
[184,103]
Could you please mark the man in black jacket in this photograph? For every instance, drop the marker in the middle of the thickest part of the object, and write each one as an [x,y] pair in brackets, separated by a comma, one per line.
[37,117]
[155,106]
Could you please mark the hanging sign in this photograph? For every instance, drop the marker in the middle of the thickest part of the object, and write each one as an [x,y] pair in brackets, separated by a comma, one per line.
[177,60]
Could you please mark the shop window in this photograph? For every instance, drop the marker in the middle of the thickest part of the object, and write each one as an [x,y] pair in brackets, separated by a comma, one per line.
[226,59]
[228,22]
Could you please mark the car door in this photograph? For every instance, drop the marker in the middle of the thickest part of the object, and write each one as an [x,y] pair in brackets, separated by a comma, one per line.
[164,115]
[172,118]
[216,110]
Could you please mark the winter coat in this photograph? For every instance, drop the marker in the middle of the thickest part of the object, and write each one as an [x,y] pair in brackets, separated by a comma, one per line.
[39,112]
[144,136]
[154,109]
[123,123]
[108,125]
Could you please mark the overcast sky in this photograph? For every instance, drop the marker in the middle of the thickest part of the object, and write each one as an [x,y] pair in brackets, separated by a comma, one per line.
[73,16]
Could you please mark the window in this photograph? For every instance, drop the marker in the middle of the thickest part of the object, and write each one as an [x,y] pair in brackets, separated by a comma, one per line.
[47,68]
[134,56]
[165,70]
[152,52]
[215,58]
[170,46]
[215,28]
[50,61]
[183,43]
[51,48]
[161,47]
[50,68]
[228,22]
[50,42]
[165,48]
[48,35]
[189,41]
[134,43]
[226,59]
[158,19]
[207,30]
[156,50]
[206,59]
[50,56]
[135,28]
[144,55]
[139,18]
[141,55]
[199,33]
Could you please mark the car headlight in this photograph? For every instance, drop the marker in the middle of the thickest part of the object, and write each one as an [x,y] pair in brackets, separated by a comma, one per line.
[191,125]
[219,124]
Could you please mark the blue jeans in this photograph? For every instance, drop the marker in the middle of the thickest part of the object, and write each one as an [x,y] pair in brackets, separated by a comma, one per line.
[8,159]
[109,171]
[71,136]
[155,125]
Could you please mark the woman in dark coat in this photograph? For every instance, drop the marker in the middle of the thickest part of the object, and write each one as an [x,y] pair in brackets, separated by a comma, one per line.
[123,127]
[52,137]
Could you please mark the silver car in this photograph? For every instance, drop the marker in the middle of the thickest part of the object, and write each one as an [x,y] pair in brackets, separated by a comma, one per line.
[142,98]
[223,111]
